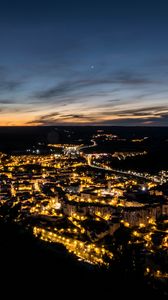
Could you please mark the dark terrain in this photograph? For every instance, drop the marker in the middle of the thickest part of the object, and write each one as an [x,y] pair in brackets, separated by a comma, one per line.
[18,139]
[38,268]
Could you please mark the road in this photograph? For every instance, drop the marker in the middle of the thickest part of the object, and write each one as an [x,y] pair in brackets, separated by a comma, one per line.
[94,144]
[89,161]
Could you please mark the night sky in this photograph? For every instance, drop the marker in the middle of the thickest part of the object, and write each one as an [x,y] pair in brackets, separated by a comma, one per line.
[84,62]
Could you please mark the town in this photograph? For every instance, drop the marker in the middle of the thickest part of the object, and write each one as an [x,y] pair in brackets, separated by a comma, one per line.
[67,196]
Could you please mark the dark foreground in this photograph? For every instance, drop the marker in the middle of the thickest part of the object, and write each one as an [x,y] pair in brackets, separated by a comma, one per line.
[29,267]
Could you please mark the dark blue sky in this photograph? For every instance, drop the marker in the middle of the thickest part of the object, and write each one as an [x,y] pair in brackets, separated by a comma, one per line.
[84,62]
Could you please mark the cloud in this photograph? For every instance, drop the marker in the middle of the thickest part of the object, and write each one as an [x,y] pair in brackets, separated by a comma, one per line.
[129,78]
[113,100]
[6,101]
[57,118]
[75,116]
[101,96]
[48,119]
[150,110]
[70,91]
[156,116]
[68,87]
[7,83]
[148,121]
[51,115]
[113,115]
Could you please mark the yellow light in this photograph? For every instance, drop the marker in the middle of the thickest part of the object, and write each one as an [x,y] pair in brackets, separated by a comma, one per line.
[141,225]
[126,224]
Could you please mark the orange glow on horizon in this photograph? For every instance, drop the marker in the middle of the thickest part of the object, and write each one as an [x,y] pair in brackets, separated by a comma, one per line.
[24,119]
